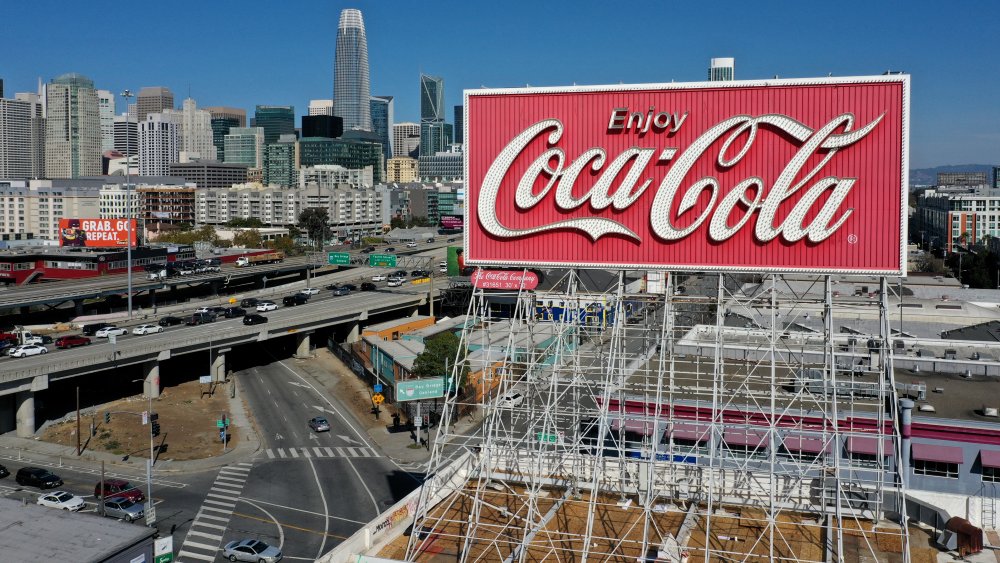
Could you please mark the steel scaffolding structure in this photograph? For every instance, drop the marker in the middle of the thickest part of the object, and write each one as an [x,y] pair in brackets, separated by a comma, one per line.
[705,422]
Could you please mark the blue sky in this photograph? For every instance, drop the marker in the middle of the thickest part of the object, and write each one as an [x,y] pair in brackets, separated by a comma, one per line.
[242,53]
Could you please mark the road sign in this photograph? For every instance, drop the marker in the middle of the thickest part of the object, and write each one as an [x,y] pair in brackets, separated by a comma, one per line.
[338,258]
[145,418]
[382,260]
[205,379]
[113,339]
[378,398]
[548,438]
[163,549]
[418,389]
[150,514]
[378,387]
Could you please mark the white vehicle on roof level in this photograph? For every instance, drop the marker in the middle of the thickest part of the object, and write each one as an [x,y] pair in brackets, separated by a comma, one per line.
[411,245]
[147,329]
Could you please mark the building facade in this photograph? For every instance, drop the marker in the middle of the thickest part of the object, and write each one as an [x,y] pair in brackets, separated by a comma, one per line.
[401,170]
[196,134]
[163,206]
[432,130]
[351,88]
[16,142]
[223,119]
[280,168]
[345,152]
[245,145]
[72,128]
[962,179]
[444,166]
[964,217]
[153,99]
[158,145]
[329,126]
[36,206]
[320,107]
[382,117]
[332,176]
[723,68]
[37,132]
[106,111]
[211,175]
[406,140]
[459,125]
[126,135]
[275,121]
[114,201]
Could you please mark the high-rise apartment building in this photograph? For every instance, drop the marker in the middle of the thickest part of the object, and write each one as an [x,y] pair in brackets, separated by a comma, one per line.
[996,177]
[351,88]
[72,128]
[196,139]
[279,162]
[320,107]
[245,145]
[459,124]
[20,140]
[405,139]
[126,135]
[382,117]
[153,99]
[158,145]
[275,121]
[37,131]
[432,130]
[722,69]
[106,110]
[224,119]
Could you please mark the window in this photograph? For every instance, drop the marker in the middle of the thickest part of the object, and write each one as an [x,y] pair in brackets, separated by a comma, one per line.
[991,475]
[936,469]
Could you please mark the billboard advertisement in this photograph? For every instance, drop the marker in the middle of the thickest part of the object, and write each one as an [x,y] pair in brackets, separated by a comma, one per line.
[452,222]
[96,233]
[761,176]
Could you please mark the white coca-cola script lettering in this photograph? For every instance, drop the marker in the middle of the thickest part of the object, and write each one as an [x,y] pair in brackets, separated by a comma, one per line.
[552,163]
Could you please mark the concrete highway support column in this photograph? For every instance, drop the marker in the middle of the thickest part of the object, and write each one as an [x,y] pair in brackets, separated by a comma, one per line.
[78,307]
[151,384]
[354,335]
[152,300]
[219,365]
[25,309]
[25,401]
[214,285]
[302,344]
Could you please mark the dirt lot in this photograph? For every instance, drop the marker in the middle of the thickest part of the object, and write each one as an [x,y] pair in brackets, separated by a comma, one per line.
[188,428]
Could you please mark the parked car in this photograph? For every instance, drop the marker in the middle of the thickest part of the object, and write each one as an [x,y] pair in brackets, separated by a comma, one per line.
[201,318]
[251,550]
[309,291]
[395,282]
[265,306]
[368,286]
[510,399]
[109,330]
[170,321]
[254,319]
[340,291]
[61,499]
[27,350]
[123,508]
[430,240]
[379,277]
[119,488]
[37,477]
[319,424]
[293,300]
[233,312]
[147,329]
[91,329]
[249,302]
[71,341]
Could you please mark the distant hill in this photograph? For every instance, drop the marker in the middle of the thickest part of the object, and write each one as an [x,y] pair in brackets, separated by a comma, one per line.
[928,176]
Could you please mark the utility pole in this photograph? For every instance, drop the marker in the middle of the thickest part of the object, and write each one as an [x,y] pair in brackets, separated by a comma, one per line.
[127,94]
[78,446]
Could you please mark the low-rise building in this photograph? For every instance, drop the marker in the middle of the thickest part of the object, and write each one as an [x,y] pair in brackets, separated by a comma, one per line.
[333,175]
[946,217]
[401,169]
[211,174]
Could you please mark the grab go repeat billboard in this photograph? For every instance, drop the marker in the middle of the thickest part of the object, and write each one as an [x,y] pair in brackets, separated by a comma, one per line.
[769,176]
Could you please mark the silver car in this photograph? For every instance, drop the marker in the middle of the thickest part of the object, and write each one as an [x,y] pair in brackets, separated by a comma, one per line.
[251,550]
[123,508]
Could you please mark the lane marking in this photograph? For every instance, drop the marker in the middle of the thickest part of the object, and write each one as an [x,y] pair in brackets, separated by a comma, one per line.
[365,485]
[289,526]
[182,554]
[327,401]
[326,509]
[293,509]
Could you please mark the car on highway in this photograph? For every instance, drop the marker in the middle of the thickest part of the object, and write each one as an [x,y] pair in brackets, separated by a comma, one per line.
[510,399]
[147,329]
[170,321]
[368,286]
[420,273]
[123,508]
[395,282]
[411,244]
[37,477]
[319,424]
[340,291]
[265,306]
[27,350]
[61,499]
[6,346]
[111,330]
[201,318]
[234,312]
[390,249]
[451,240]
[119,488]
[309,291]
[91,329]
[368,250]
[214,310]
[430,240]
[251,550]
[254,319]
[3,472]
[349,286]
[249,302]
[293,300]
[379,277]
[71,341]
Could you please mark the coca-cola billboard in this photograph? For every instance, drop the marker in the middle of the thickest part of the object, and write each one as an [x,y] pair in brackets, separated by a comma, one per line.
[770,176]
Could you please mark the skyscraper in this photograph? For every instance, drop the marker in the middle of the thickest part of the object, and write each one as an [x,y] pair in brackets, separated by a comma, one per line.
[224,119]
[196,141]
[158,145]
[320,107]
[72,128]
[153,99]
[351,89]
[405,139]
[432,130]
[245,145]
[126,135]
[37,131]
[15,138]
[275,121]
[459,124]
[279,162]
[106,110]
[382,117]
[722,69]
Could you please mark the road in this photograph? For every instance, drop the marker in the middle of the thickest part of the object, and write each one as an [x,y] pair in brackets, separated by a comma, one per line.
[305,491]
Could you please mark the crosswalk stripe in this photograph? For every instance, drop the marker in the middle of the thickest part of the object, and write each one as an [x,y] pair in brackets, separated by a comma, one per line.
[354,452]
[293,452]
[182,554]
[329,452]
[205,535]
[245,464]
[207,525]
[209,516]
[220,503]
[204,546]
[305,452]
[270,453]
[225,497]
[224,490]
[232,479]
[281,452]
[214,509]
[319,452]
[241,467]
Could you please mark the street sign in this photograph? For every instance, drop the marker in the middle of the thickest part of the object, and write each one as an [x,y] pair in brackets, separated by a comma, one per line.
[338,258]
[150,514]
[163,549]
[378,398]
[382,260]
[418,389]
[378,387]
[548,438]
[205,379]
[145,418]
[113,339]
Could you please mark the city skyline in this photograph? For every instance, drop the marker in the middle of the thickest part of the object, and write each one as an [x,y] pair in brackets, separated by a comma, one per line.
[953,120]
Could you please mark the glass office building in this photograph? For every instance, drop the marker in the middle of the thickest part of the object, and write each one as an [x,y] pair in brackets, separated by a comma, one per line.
[345,152]
[275,121]
[351,89]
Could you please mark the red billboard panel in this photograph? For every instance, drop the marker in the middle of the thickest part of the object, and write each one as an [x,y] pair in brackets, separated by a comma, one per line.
[768,176]
[516,280]
[96,233]
[452,222]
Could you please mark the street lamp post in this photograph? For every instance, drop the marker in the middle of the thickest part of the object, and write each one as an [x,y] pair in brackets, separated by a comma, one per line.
[149,420]
[127,94]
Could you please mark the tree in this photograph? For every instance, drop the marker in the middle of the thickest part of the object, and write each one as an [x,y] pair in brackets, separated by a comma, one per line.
[315,222]
[284,244]
[294,232]
[439,352]
[248,239]
[397,223]
[249,223]
[419,222]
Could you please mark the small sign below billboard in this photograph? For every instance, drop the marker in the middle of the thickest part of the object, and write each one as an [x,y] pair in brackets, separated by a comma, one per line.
[513,280]
[419,389]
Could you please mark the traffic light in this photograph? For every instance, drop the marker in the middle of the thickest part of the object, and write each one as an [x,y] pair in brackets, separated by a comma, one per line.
[155,430]
[107,417]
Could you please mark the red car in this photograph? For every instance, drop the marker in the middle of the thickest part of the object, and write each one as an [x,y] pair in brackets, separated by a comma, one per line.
[119,488]
[71,341]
